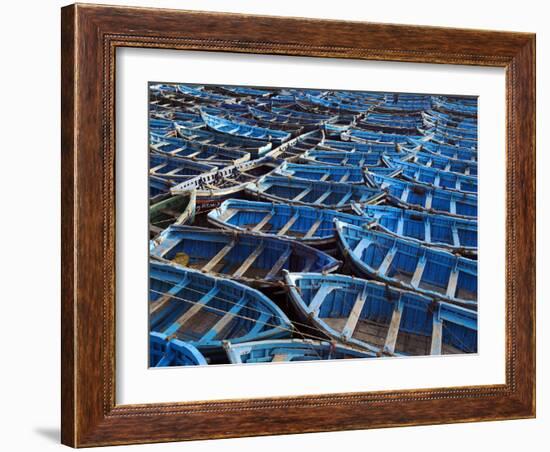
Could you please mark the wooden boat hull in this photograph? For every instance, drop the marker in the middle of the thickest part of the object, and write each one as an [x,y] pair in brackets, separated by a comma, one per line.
[205,311]
[456,235]
[428,199]
[251,258]
[327,195]
[314,227]
[380,319]
[324,173]
[409,265]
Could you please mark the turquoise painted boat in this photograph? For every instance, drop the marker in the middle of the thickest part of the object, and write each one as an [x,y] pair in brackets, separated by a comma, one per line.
[343,158]
[435,177]
[326,195]
[253,259]
[204,311]
[426,198]
[467,168]
[294,350]
[342,174]
[457,235]
[198,152]
[380,319]
[257,148]
[238,129]
[409,265]
[309,225]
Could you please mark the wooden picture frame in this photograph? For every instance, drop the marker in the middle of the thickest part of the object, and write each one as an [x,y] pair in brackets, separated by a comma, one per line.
[90,36]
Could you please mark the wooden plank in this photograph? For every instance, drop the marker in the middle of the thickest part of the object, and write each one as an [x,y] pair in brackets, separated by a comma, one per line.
[160,302]
[393,330]
[429,198]
[262,223]
[345,177]
[218,257]
[279,358]
[418,272]
[361,246]
[192,311]
[452,207]
[289,224]
[320,295]
[400,224]
[249,260]
[313,229]
[353,317]
[427,230]
[302,194]
[451,286]
[345,199]
[386,263]
[324,196]
[405,194]
[456,237]
[222,323]
[437,336]
[279,264]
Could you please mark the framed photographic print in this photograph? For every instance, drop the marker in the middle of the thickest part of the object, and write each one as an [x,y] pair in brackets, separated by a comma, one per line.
[281,225]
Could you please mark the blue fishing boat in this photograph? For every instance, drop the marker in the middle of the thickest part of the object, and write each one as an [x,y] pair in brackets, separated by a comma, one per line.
[169,352]
[435,177]
[293,149]
[409,265]
[381,319]
[255,147]
[452,140]
[445,150]
[457,235]
[353,159]
[204,311]
[245,91]
[443,163]
[159,187]
[343,123]
[310,225]
[328,195]
[354,134]
[349,146]
[343,174]
[251,258]
[175,168]
[456,107]
[286,117]
[426,198]
[434,117]
[213,188]
[198,152]
[290,350]
[199,94]
[231,127]
[337,105]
